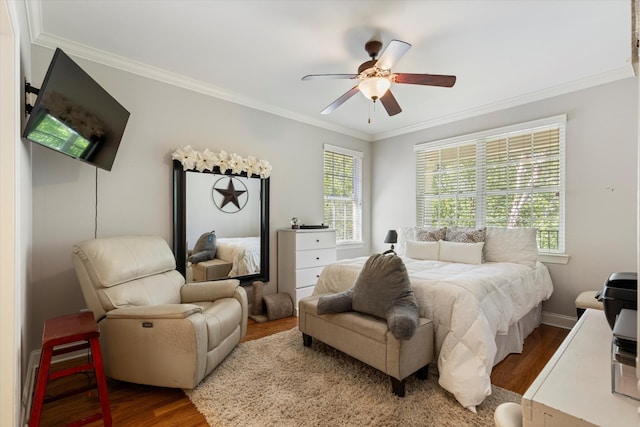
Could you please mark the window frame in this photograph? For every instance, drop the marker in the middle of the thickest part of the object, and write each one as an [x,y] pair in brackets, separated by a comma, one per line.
[357,201]
[479,141]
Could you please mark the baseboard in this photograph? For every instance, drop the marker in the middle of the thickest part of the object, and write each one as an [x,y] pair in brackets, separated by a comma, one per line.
[558,320]
[29,384]
[30,380]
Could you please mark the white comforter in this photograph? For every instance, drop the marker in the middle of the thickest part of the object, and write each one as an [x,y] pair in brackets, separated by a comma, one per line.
[469,305]
[242,252]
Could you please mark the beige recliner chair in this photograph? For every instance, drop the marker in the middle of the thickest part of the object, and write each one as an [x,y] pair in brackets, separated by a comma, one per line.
[154,328]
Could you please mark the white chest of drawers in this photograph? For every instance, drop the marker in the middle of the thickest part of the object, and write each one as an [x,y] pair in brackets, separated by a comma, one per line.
[302,255]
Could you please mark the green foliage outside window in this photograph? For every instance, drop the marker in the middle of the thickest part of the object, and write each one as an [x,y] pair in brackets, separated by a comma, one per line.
[509,181]
[57,135]
[342,195]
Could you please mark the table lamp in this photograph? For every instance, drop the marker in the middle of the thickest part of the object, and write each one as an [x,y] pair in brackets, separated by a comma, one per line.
[392,237]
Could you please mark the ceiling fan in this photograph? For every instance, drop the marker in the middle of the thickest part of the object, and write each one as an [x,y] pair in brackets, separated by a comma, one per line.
[376,77]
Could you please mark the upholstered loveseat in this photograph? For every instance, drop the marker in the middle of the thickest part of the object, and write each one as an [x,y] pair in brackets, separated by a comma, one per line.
[368,339]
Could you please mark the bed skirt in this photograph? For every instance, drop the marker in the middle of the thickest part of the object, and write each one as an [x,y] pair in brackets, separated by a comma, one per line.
[513,341]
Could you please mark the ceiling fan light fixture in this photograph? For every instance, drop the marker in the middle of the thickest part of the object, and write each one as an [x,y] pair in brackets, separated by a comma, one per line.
[375,77]
[374,87]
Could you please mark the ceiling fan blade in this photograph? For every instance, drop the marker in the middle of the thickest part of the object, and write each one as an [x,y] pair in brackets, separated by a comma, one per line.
[338,102]
[390,104]
[329,76]
[392,54]
[425,79]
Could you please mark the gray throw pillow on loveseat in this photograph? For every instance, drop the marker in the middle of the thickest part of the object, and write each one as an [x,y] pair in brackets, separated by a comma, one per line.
[382,289]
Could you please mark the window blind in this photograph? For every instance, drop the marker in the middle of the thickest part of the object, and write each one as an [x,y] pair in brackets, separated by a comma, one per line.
[507,177]
[343,192]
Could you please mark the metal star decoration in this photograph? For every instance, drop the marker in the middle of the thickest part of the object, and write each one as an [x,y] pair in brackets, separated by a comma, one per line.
[230,195]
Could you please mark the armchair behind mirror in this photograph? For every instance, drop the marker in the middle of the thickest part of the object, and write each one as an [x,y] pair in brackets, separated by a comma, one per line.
[236,207]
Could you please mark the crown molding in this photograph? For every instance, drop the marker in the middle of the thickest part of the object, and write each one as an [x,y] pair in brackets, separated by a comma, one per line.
[89,53]
[587,82]
[34,18]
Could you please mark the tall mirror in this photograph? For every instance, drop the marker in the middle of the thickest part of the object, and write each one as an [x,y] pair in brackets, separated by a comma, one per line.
[236,208]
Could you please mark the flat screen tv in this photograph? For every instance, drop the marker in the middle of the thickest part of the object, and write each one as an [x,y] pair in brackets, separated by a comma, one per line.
[75,116]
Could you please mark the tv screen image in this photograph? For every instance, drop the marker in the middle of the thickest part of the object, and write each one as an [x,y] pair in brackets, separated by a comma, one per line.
[75,116]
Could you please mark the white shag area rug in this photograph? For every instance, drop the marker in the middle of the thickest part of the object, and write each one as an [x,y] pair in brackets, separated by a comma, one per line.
[276,381]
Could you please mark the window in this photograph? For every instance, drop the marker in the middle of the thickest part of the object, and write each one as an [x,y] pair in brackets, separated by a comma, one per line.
[343,193]
[507,177]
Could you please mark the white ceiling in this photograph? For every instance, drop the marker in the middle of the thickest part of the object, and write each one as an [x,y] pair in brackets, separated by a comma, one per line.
[254,52]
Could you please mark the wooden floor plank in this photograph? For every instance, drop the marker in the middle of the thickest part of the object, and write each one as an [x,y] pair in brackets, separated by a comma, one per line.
[138,405]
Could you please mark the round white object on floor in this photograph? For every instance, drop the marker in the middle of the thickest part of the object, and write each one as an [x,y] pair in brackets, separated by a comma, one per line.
[508,414]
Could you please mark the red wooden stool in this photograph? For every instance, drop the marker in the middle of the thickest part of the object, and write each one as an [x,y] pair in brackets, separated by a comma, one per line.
[80,328]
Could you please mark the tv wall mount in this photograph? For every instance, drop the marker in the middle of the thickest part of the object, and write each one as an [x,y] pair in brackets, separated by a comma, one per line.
[27,90]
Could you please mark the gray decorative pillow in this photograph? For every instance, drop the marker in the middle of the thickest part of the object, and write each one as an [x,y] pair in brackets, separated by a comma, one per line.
[205,248]
[431,234]
[382,289]
[335,303]
[466,234]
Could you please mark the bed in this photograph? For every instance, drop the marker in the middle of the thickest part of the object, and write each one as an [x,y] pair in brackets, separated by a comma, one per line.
[481,311]
[242,252]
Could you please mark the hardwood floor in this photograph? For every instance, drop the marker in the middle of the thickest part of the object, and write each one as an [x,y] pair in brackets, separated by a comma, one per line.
[517,371]
[137,405]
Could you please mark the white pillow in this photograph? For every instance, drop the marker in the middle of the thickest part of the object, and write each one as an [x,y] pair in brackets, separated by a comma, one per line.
[404,235]
[466,253]
[517,245]
[422,250]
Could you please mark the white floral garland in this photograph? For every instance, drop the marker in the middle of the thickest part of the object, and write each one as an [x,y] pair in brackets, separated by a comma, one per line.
[207,160]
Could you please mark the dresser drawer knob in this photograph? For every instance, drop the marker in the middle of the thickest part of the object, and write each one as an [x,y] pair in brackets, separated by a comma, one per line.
[317,240]
[318,258]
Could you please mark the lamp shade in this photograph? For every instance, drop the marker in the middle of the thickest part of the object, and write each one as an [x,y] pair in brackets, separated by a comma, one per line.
[374,87]
[392,237]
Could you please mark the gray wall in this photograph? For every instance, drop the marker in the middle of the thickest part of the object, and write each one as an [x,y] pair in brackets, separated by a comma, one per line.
[136,196]
[601,189]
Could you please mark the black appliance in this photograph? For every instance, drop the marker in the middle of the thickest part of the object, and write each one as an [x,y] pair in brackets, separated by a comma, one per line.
[620,291]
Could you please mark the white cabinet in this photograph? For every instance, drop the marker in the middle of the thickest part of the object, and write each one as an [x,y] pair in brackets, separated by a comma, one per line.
[574,388]
[302,255]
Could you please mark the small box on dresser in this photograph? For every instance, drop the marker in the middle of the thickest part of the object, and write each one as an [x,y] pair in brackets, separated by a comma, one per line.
[302,255]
